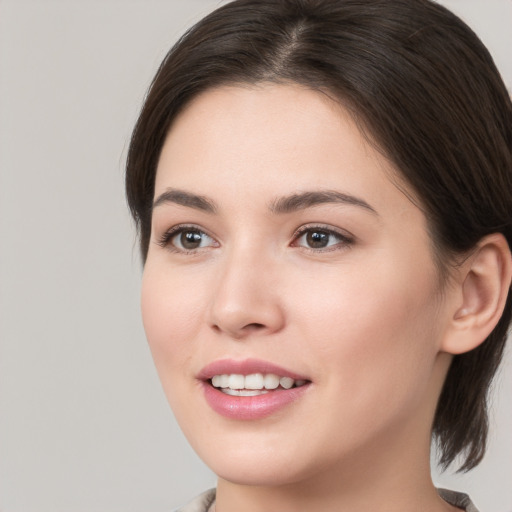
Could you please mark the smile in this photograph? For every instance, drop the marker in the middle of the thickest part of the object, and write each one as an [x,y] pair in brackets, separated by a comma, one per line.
[250,389]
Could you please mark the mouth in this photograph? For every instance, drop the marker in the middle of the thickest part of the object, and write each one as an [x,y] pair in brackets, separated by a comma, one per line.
[250,389]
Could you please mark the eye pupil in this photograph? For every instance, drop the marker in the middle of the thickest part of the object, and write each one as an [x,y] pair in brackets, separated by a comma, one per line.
[317,239]
[190,239]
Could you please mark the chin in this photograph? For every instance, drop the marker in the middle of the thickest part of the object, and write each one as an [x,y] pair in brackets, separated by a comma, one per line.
[250,469]
[259,465]
[269,475]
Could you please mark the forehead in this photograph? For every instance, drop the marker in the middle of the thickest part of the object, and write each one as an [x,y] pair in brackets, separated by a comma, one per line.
[258,141]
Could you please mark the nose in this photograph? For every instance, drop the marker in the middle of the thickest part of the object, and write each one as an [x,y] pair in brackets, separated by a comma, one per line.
[246,300]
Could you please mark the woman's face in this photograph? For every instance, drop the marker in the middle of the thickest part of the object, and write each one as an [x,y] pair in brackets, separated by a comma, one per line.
[282,250]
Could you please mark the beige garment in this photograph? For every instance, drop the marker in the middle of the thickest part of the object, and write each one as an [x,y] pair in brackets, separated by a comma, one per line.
[204,501]
[200,503]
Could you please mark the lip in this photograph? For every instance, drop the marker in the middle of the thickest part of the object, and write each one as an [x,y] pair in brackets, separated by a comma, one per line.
[249,407]
[245,367]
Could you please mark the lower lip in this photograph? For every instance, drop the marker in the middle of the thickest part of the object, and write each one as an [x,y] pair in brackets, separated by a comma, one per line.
[251,407]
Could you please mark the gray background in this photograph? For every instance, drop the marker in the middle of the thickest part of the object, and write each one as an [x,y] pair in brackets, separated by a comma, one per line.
[84,425]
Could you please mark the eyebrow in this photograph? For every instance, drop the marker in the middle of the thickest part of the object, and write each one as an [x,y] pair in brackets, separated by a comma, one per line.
[304,200]
[282,205]
[185,199]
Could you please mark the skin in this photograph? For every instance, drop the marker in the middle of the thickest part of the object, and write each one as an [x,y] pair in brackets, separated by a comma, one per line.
[364,318]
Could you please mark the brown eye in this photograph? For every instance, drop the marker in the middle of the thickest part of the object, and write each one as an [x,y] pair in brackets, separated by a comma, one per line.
[191,239]
[318,239]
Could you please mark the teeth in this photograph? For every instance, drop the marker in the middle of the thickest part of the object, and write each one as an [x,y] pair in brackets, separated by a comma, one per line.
[286,382]
[271,381]
[253,384]
[244,392]
[254,381]
[236,382]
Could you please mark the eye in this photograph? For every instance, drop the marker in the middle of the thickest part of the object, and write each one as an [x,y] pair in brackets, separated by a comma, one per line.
[318,238]
[186,239]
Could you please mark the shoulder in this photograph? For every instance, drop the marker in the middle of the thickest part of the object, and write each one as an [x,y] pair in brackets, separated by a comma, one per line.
[200,503]
[457,499]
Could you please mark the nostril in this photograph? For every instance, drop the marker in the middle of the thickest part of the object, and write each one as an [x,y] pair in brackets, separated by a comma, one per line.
[254,327]
[249,327]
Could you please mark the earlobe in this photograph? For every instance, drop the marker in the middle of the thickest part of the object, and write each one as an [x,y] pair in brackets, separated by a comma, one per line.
[484,285]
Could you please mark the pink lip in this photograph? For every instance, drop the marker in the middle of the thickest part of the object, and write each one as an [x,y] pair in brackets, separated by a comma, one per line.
[249,407]
[245,367]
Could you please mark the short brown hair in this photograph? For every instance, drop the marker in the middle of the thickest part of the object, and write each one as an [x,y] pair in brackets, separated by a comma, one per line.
[424,89]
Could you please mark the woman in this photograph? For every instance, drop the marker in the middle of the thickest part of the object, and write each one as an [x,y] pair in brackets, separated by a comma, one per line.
[323,195]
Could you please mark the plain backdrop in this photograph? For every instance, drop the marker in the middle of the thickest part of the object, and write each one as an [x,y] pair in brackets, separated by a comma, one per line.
[84,425]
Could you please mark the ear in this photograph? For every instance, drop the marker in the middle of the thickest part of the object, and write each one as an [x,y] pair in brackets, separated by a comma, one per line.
[483,285]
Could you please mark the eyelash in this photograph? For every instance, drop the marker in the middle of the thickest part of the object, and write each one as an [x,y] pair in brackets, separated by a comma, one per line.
[166,238]
[344,240]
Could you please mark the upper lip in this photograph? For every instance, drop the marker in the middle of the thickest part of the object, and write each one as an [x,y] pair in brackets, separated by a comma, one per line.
[245,367]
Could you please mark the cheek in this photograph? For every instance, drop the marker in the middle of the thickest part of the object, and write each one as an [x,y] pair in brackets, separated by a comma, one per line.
[374,332]
[170,315]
